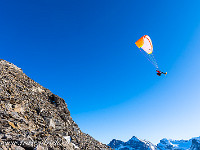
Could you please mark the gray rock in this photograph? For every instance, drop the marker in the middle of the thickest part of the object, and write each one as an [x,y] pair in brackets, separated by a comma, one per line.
[14,147]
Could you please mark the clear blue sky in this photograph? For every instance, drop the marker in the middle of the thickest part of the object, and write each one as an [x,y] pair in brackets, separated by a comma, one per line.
[84,51]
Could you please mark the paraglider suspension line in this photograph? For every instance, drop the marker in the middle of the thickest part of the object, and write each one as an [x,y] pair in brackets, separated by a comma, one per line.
[151,58]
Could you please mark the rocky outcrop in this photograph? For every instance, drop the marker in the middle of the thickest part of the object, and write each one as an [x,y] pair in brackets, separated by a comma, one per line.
[32,117]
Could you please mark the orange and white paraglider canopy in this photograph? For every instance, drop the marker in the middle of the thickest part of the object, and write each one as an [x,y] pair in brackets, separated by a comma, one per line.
[145,43]
[146,46]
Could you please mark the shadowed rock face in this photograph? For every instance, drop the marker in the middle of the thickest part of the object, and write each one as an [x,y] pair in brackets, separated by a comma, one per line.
[116,143]
[31,116]
[195,144]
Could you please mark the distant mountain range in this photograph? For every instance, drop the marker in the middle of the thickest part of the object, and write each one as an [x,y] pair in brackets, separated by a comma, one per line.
[165,144]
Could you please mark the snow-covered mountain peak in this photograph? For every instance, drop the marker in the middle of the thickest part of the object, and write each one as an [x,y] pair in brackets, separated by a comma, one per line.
[133,144]
[165,144]
[115,143]
[134,138]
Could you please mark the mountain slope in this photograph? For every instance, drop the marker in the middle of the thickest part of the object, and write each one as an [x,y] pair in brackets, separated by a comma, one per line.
[31,116]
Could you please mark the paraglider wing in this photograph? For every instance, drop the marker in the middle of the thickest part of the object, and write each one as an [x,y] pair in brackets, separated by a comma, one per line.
[145,43]
[146,47]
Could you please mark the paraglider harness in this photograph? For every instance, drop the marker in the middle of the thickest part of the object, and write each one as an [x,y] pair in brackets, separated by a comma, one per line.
[159,72]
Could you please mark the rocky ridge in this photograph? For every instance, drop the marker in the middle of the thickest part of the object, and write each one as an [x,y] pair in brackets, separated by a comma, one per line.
[32,117]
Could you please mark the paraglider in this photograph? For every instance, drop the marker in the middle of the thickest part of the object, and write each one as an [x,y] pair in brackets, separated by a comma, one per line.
[160,72]
[146,47]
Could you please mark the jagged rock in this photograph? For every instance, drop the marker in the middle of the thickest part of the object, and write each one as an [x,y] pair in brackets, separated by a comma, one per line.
[39,147]
[32,117]
[4,147]
[14,147]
